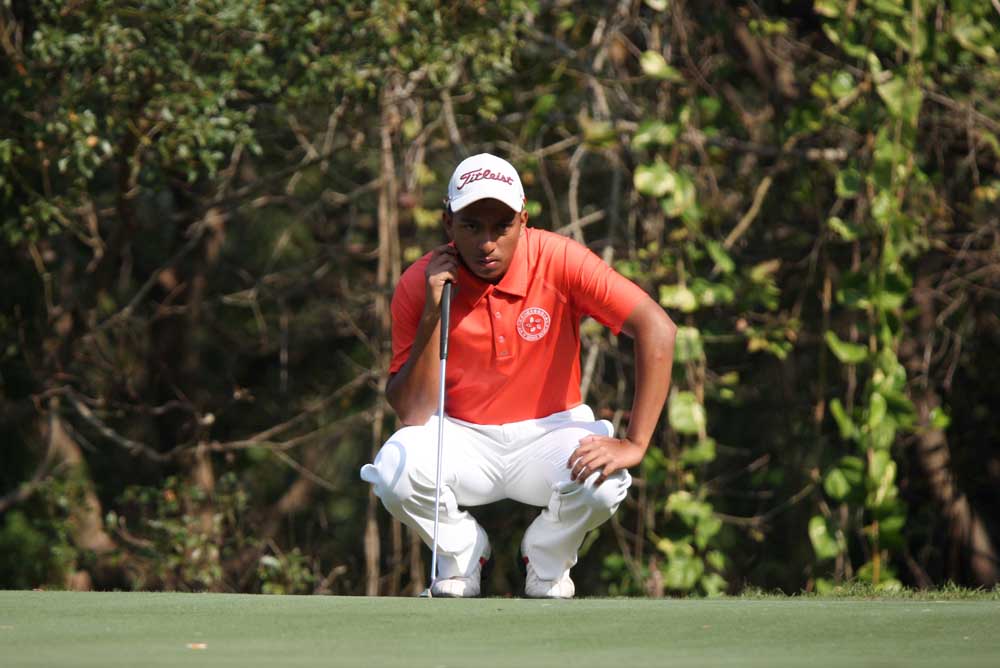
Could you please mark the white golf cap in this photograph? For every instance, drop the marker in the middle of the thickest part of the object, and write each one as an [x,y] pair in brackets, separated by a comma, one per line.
[485,176]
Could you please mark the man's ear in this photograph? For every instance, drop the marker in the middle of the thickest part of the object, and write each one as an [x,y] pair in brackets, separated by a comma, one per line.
[523,219]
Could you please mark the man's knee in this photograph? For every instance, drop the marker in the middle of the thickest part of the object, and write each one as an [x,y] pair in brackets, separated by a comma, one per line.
[395,466]
[605,498]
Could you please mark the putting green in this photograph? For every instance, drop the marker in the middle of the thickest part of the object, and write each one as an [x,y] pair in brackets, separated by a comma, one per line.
[144,629]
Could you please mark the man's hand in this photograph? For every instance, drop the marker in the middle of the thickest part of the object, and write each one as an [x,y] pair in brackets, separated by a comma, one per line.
[443,267]
[605,454]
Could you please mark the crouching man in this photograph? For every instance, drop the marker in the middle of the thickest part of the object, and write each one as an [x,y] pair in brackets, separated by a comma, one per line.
[515,426]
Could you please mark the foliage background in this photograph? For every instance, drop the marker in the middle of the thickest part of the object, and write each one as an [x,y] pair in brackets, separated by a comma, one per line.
[205,206]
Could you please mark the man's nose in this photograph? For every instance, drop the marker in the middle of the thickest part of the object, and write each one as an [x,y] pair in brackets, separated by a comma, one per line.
[487,241]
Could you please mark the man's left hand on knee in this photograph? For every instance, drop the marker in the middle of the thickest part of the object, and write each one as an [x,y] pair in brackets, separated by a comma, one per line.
[605,454]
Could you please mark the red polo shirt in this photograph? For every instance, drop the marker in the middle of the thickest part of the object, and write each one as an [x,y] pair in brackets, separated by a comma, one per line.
[514,347]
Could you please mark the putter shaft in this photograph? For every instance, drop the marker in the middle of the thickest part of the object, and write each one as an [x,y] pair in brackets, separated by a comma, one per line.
[445,318]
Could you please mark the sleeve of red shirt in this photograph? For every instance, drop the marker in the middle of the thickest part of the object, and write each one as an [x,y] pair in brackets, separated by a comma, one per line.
[597,289]
[407,305]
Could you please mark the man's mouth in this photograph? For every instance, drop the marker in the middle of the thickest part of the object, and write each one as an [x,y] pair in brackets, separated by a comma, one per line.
[489,262]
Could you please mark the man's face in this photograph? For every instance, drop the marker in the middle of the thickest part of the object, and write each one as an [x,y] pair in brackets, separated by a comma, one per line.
[486,234]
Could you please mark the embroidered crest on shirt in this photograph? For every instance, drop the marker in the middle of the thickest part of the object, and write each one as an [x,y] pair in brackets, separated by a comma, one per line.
[533,323]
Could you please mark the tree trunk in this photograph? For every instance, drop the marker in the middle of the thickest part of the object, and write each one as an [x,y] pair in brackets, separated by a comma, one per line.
[86,522]
[966,527]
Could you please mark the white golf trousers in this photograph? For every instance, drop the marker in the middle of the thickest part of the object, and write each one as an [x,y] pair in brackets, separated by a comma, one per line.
[524,461]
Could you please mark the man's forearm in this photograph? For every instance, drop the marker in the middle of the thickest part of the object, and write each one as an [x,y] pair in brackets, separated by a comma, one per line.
[654,334]
[412,392]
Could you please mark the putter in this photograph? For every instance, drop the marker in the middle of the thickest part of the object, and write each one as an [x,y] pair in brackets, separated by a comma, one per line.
[445,317]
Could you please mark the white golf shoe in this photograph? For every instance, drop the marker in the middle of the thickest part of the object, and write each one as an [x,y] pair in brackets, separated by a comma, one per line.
[469,586]
[536,587]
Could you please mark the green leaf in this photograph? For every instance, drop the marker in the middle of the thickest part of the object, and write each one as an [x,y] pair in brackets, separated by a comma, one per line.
[713,584]
[597,133]
[705,530]
[544,104]
[655,180]
[973,37]
[710,294]
[854,289]
[655,65]
[825,545]
[682,198]
[881,481]
[853,468]
[845,479]
[828,8]
[723,262]
[848,183]
[893,7]
[877,464]
[848,430]
[683,573]
[688,508]
[700,453]
[762,271]
[939,418]
[687,346]
[841,84]
[716,560]
[835,484]
[901,99]
[881,436]
[892,523]
[845,231]
[847,353]
[685,414]
[654,133]
[902,35]
[679,297]
[876,410]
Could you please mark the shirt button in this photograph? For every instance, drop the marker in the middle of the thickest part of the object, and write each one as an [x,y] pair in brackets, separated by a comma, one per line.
[503,353]
[500,338]
[497,314]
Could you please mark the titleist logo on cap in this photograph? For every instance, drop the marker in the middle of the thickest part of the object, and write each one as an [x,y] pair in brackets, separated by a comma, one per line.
[479,175]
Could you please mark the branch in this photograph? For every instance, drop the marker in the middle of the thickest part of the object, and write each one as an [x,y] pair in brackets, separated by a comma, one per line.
[26,489]
[133,447]
[260,439]
[263,437]
[823,154]
[451,124]
[751,214]
[198,230]
[282,446]
[759,520]
[713,484]
[574,188]
[304,472]
[589,219]
[557,147]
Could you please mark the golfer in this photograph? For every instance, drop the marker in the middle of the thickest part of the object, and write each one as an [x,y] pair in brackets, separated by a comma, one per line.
[515,426]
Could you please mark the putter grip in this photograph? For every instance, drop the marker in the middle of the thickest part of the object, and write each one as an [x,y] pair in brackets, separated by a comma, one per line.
[445,318]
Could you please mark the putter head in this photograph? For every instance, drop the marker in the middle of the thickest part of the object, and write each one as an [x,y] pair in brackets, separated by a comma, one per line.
[426,593]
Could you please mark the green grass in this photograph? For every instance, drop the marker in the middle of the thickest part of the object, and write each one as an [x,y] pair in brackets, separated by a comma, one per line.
[865,590]
[132,629]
